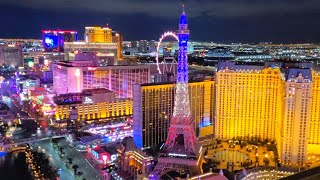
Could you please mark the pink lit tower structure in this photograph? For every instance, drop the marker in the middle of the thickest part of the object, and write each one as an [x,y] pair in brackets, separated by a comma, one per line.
[181,152]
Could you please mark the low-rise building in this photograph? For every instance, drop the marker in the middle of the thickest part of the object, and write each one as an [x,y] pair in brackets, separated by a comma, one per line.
[134,160]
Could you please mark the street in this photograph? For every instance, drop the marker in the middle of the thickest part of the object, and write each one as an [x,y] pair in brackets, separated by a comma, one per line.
[55,160]
[89,172]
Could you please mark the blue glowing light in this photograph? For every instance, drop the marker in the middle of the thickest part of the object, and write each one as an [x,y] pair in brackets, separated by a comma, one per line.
[106,139]
[2,153]
[50,42]
[183,19]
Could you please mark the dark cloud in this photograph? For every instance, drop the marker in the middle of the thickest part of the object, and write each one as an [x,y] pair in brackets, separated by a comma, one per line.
[209,20]
[169,8]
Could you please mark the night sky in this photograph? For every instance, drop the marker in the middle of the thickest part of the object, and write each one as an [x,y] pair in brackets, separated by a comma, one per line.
[284,21]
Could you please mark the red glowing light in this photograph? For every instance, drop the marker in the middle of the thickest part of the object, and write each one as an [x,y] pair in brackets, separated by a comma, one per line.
[58,31]
[104,158]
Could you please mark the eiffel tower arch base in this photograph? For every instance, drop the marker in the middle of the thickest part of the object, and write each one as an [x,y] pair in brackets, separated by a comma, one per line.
[168,164]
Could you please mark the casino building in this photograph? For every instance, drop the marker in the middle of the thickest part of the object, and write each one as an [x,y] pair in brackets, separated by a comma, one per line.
[107,44]
[75,76]
[93,105]
[54,40]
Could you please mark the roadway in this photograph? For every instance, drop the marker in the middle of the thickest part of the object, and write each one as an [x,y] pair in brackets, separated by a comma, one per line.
[55,159]
[78,158]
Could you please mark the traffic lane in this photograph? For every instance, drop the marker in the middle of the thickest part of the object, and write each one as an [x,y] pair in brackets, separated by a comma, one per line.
[79,159]
[84,166]
[56,161]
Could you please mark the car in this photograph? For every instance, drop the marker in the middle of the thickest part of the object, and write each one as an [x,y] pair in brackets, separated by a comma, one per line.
[59,169]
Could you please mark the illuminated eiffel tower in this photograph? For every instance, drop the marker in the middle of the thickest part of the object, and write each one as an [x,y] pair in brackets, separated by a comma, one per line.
[180,151]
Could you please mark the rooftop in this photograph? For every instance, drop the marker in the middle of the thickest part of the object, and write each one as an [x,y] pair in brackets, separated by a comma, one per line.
[235,66]
[96,91]
[293,73]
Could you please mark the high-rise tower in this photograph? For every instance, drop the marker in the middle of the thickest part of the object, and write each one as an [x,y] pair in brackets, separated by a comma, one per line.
[180,151]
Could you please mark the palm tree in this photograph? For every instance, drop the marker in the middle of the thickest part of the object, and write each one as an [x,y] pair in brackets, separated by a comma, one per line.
[70,160]
[75,167]
[79,173]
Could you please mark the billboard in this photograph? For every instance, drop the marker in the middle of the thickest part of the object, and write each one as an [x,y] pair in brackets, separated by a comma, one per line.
[50,42]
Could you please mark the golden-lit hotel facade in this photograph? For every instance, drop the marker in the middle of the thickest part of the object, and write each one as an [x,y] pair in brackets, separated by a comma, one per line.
[98,34]
[314,127]
[267,102]
[248,101]
[153,108]
[298,97]
[93,105]
[314,136]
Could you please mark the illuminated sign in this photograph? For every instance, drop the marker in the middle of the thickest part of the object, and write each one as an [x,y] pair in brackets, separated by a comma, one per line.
[88,100]
[105,158]
[50,42]
[113,157]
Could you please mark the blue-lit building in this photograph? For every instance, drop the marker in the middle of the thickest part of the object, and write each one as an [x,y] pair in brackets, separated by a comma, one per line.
[53,40]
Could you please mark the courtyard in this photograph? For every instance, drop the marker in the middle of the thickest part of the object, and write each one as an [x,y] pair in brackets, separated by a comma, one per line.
[233,155]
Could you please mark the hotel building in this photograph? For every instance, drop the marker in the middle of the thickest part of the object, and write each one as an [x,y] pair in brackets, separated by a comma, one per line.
[93,105]
[75,76]
[107,45]
[268,102]
[98,35]
[297,114]
[314,130]
[104,51]
[248,101]
[53,40]
[153,108]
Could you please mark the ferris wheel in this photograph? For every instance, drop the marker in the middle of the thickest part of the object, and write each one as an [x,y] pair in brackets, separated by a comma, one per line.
[164,62]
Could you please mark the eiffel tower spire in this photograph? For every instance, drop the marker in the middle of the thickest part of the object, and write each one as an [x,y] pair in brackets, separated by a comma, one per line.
[180,151]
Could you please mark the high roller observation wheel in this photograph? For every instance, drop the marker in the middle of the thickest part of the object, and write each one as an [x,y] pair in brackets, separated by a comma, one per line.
[163,36]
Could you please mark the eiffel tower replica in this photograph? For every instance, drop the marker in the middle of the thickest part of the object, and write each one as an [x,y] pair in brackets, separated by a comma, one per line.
[180,152]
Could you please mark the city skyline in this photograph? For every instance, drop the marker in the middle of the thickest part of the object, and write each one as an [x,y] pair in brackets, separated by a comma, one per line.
[97,105]
[211,21]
